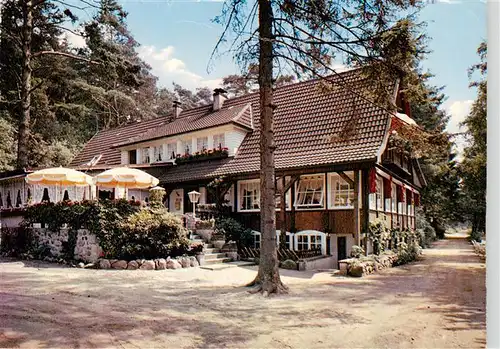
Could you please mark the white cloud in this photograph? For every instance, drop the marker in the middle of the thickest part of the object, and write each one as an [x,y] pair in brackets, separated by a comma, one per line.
[74,40]
[170,69]
[458,111]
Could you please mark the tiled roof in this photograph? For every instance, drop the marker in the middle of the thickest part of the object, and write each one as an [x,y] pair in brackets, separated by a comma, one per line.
[103,141]
[192,171]
[314,127]
[197,119]
[311,127]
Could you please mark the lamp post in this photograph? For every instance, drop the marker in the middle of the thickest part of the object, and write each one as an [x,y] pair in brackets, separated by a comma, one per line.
[194,196]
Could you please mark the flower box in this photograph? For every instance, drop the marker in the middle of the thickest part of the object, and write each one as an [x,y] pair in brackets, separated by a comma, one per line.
[216,153]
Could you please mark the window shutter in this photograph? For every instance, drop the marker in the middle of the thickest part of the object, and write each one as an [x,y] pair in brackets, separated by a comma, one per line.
[373,181]
[387,188]
[401,193]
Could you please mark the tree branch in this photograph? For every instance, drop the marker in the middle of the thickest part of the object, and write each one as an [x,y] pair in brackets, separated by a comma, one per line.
[64,54]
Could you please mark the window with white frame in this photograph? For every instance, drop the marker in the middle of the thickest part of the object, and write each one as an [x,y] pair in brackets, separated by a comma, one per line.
[342,193]
[171,151]
[302,242]
[380,194]
[394,197]
[201,143]
[157,153]
[315,242]
[219,140]
[249,194]
[187,147]
[256,240]
[145,156]
[310,192]
[310,239]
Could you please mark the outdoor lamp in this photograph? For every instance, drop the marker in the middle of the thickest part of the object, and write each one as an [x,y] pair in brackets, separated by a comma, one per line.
[194,196]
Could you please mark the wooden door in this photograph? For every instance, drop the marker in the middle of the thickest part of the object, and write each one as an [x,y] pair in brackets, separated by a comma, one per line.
[341,248]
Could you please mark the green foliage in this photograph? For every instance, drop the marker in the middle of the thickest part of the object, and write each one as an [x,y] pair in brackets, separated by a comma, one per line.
[407,252]
[205,224]
[379,234]
[289,264]
[357,251]
[7,155]
[476,235]
[473,167]
[234,231]
[156,197]
[426,232]
[149,233]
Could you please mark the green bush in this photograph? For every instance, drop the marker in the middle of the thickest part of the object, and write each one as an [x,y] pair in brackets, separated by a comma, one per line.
[289,264]
[379,234]
[149,233]
[234,231]
[426,232]
[357,251]
[476,236]
[407,252]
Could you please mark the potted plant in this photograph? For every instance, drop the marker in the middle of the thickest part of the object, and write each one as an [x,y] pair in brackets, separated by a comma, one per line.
[218,240]
[197,250]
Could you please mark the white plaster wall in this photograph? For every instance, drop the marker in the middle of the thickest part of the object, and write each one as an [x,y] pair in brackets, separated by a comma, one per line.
[233,140]
[320,263]
[333,246]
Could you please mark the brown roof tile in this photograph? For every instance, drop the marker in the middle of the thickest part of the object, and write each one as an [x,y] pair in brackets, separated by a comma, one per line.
[197,119]
[102,142]
[192,171]
[312,127]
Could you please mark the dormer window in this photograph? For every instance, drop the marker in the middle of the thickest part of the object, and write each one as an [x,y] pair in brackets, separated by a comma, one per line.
[219,140]
[145,156]
[157,153]
[186,146]
[132,157]
[171,151]
[201,143]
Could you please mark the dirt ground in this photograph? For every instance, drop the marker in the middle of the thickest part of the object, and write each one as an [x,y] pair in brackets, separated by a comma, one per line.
[438,302]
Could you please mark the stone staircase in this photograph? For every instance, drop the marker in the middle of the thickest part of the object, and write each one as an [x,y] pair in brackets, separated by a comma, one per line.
[212,254]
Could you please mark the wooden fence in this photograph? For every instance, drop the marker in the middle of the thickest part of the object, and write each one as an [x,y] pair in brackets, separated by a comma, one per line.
[283,253]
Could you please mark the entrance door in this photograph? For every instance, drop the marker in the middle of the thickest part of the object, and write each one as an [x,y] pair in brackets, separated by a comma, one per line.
[341,248]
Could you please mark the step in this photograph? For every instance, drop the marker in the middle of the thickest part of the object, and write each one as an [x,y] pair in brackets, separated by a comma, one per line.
[217,261]
[211,256]
[211,250]
[209,246]
[197,240]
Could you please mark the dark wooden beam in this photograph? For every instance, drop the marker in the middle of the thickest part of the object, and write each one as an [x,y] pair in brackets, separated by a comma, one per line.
[346,178]
[290,183]
[365,192]
[283,213]
[357,232]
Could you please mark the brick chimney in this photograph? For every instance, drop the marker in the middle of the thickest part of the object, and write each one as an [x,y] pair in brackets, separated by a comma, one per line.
[177,109]
[219,98]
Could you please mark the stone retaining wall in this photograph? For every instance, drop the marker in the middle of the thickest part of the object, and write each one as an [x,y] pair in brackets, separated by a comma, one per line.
[152,264]
[87,245]
[366,265]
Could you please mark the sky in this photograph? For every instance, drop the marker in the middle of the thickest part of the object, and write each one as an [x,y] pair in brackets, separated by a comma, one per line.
[177,38]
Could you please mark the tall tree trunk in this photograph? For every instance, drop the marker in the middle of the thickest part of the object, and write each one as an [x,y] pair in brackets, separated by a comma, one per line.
[268,278]
[24,122]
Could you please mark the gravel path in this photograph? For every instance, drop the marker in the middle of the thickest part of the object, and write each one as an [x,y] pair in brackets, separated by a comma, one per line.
[438,302]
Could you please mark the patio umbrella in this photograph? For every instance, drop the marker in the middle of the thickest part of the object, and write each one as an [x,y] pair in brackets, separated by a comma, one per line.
[125,177]
[58,176]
